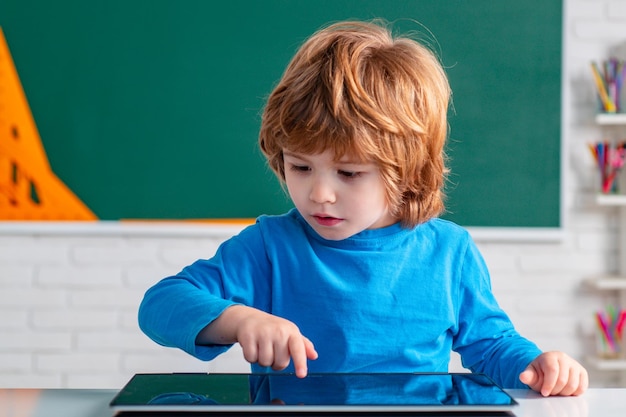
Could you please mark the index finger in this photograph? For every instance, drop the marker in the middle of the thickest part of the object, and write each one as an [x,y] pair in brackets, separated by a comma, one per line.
[297,351]
[550,378]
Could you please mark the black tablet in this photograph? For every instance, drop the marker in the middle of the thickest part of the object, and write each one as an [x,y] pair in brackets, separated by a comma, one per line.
[317,393]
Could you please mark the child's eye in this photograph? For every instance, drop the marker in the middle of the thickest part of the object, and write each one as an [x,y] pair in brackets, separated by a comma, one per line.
[299,168]
[349,174]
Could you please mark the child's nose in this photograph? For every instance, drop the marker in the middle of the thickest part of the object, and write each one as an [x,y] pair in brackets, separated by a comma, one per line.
[322,192]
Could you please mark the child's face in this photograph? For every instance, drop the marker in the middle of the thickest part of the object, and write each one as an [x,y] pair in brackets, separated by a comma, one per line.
[338,199]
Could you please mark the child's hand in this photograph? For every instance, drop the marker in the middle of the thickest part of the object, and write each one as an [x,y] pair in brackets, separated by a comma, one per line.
[555,373]
[264,338]
[272,341]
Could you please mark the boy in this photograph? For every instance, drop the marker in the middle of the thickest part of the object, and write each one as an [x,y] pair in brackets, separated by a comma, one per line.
[361,276]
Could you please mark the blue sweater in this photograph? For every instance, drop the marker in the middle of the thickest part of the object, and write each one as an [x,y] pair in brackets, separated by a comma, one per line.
[384,300]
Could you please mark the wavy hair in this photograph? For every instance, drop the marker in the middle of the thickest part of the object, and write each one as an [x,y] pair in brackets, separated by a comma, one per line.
[354,89]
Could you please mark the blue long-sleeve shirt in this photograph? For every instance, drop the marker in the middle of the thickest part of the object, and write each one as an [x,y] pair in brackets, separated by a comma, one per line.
[384,300]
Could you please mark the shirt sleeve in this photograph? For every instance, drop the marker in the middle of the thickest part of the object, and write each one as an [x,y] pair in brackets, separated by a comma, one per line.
[487,340]
[177,308]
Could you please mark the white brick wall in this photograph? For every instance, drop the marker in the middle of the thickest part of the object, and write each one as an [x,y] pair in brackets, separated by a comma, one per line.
[68,307]
[68,299]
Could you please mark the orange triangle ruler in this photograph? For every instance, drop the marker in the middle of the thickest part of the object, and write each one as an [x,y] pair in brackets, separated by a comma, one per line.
[29,190]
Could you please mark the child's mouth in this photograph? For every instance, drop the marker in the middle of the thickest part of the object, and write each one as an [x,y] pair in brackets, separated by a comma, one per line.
[327,220]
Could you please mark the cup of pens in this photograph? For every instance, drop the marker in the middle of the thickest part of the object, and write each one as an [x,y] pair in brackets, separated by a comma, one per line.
[610,333]
[610,158]
[608,77]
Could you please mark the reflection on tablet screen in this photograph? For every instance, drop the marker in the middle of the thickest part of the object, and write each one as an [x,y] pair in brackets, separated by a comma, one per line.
[376,389]
[360,392]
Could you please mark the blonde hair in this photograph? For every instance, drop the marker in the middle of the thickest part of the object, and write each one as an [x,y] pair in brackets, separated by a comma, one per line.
[354,89]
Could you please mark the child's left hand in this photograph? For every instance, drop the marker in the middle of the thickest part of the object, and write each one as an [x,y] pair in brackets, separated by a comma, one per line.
[555,373]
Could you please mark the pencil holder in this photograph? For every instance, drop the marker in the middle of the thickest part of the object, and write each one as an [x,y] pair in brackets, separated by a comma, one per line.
[610,338]
[606,350]
[610,158]
[608,77]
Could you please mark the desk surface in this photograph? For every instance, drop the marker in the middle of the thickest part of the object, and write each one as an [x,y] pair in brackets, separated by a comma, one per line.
[95,403]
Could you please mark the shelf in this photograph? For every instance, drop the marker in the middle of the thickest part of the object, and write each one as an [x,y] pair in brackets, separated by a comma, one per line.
[611,119]
[608,364]
[607,282]
[613,282]
[611,199]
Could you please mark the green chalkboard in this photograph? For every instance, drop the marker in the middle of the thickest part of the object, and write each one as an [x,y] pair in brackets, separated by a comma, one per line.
[150,108]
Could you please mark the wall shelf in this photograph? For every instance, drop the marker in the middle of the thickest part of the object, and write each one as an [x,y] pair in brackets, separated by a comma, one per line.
[615,119]
[608,364]
[611,199]
[613,282]
[607,282]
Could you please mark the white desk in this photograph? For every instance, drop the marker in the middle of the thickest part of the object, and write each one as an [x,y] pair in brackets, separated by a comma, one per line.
[95,403]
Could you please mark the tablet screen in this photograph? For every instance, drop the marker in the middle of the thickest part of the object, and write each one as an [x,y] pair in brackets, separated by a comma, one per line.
[352,392]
